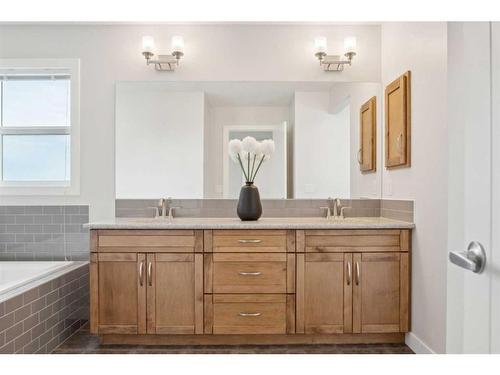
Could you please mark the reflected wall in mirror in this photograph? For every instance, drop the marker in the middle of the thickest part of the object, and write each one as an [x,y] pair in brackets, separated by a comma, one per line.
[171,138]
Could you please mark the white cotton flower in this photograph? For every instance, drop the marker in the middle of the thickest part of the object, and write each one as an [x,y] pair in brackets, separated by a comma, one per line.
[249,145]
[234,149]
[267,147]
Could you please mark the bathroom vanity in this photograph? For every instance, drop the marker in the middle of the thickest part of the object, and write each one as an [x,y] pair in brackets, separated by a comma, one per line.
[223,281]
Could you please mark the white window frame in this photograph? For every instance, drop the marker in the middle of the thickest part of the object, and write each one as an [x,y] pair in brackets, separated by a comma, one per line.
[70,67]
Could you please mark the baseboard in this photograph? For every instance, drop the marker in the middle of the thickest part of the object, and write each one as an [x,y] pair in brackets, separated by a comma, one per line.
[417,345]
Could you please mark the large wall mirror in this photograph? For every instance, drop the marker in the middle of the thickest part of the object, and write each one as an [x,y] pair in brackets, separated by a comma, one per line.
[171,139]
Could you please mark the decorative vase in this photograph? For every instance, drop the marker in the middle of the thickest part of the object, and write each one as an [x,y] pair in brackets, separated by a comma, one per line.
[249,206]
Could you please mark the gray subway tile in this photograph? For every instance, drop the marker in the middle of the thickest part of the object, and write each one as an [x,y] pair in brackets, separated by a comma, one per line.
[14,331]
[13,304]
[24,237]
[24,219]
[6,321]
[34,210]
[52,210]
[7,237]
[7,219]
[33,228]
[14,210]
[14,228]
[22,313]
[42,219]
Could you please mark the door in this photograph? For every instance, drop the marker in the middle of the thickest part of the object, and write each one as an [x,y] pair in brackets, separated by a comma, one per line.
[174,293]
[324,292]
[473,206]
[122,293]
[380,292]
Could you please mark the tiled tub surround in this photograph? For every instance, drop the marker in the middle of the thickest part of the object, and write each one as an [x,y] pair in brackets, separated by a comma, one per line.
[42,315]
[391,209]
[44,233]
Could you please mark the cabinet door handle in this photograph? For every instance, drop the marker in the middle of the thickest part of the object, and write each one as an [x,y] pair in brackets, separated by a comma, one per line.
[349,273]
[250,241]
[360,160]
[250,314]
[141,273]
[150,273]
[258,273]
[357,273]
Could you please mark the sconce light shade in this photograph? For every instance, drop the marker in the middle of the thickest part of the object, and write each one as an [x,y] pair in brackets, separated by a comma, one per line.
[177,44]
[148,44]
[350,45]
[320,44]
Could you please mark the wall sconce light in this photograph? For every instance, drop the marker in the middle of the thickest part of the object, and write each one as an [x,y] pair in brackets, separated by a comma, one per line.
[163,62]
[335,63]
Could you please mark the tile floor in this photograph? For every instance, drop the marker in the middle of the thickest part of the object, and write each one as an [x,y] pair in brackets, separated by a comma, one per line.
[84,343]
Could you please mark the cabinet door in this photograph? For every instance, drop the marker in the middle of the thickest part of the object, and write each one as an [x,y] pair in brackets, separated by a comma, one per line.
[380,292]
[324,293]
[175,293]
[367,154]
[122,293]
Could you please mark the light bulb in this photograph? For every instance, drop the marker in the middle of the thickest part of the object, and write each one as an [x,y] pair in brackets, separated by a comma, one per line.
[350,44]
[177,44]
[148,44]
[320,44]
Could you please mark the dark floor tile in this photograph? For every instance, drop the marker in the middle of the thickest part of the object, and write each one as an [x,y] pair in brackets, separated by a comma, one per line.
[84,343]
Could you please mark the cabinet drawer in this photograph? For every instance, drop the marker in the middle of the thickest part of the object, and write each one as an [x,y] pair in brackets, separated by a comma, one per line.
[249,273]
[249,314]
[230,241]
[179,241]
[353,240]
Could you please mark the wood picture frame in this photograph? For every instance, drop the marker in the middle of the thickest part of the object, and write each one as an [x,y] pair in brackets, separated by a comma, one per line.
[398,122]
[367,153]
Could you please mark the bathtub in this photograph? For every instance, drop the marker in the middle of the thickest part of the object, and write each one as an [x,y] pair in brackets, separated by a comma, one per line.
[17,275]
[46,301]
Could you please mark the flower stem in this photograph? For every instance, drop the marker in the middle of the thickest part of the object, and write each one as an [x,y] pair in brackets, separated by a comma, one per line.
[258,167]
[253,166]
[248,170]
[243,169]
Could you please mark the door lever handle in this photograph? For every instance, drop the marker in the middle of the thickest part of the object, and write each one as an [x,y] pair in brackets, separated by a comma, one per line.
[474,259]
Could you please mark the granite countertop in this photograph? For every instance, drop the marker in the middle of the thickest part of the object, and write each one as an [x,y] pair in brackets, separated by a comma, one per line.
[263,223]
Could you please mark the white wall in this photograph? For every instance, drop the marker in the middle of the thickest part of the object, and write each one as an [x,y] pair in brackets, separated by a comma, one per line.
[159,143]
[321,147]
[367,184]
[422,48]
[112,53]
[229,116]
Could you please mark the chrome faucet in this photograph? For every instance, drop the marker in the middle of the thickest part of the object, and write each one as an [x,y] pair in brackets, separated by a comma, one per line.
[336,208]
[328,208]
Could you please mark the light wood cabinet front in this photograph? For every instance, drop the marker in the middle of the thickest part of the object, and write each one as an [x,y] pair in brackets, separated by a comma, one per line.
[324,292]
[122,293]
[175,293]
[380,293]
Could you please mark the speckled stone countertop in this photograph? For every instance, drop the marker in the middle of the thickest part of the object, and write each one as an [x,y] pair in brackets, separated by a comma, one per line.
[263,223]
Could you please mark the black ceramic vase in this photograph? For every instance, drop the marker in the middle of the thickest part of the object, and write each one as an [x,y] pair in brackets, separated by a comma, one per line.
[249,206]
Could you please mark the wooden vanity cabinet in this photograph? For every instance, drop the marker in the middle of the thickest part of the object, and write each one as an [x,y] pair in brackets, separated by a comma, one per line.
[353,281]
[146,282]
[253,286]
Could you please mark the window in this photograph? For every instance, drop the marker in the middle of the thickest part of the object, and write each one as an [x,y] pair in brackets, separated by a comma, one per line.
[39,132]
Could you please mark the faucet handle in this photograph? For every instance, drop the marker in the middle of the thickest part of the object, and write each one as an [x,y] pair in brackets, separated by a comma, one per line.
[156,212]
[328,211]
[342,211]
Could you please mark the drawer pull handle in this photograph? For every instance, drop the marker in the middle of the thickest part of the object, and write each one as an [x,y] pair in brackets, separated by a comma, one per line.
[250,241]
[250,314]
[349,273]
[251,273]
